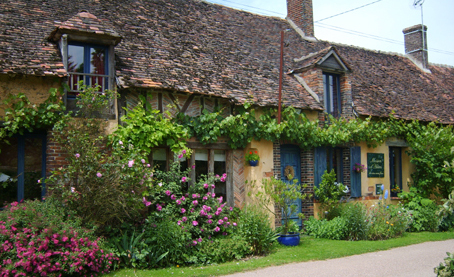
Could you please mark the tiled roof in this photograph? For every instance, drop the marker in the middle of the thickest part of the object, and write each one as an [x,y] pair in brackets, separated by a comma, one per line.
[198,47]
[383,83]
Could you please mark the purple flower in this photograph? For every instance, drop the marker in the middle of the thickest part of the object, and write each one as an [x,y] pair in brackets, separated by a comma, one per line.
[231,208]
[145,202]
[168,192]
[205,198]
[142,160]
[99,175]
[183,152]
[77,155]
[179,222]
[192,210]
[217,229]
[131,163]
[160,184]
[209,216]
[39,181]
[212,186]
[224,234]
[195,202]
[184,179]
[195,223]
[173,197]
[194,242]
[220,199]
[193,166]
[213,195]
[199,239]
[203,212]
[180,156]
[148,165]
[220,221]
[234,223]
[194,196]
[178,202]
[184,219]
[159,207]
[205,186]
[183,198]
[183,210]
[209,221]
[120,142]
[226,219]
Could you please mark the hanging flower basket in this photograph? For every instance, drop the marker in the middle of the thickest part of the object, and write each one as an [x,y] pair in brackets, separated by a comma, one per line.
[358,168]
[253,158]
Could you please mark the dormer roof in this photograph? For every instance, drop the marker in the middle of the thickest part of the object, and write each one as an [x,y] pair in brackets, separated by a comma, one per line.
[327,59]
[86,27]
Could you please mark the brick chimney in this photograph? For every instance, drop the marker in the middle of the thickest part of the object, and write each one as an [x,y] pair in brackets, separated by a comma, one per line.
[416,43]
[300,12]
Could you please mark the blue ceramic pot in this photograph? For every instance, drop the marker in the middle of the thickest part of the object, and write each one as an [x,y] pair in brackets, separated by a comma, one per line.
[289,239]
[253,163]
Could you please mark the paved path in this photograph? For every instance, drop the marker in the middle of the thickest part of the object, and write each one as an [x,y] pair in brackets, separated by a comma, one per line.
[412,261]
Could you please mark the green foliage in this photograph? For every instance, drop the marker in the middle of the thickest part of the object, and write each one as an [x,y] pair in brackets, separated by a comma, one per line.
[430,146]
[277,195]
[101,184]
[355,215]
[23,116]
[252,156]
[335,228]
[387,221]
[446,269]
[221,250]
[254,227]
[329,193]
[445,214]
[423,211]
[146,128]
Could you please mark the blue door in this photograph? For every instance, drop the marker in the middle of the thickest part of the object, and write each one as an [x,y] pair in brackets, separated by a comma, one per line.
[291,162]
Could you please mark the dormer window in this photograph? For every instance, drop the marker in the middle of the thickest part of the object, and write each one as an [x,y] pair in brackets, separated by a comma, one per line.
[332,94]
[87,63]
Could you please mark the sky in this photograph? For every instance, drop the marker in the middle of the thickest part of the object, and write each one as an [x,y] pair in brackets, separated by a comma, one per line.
[378,25]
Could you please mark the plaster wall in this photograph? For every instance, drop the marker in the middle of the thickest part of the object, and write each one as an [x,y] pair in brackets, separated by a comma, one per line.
[35,88]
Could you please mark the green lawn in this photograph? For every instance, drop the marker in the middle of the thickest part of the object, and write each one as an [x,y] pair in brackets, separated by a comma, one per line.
[309,249]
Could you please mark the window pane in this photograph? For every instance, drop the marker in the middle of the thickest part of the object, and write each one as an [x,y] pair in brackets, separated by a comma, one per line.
[201,163]
[33,159]
[75,58]
[219,169]
[8,171]
[160,159]
[98,66]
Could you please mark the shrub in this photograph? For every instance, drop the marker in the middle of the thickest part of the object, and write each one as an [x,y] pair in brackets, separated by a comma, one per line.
[445,214]
[254,227]
[41,238]
[224,249]
[387,221]
[330,229]
[329,192]
[446,269]
[93,169]
[355,215]
[423,211]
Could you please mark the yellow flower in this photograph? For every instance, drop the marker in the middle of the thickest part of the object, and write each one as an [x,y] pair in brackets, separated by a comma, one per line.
[178,266]
[392,224]
[387,222]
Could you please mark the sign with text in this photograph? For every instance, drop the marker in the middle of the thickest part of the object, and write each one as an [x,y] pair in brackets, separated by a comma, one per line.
[375,165]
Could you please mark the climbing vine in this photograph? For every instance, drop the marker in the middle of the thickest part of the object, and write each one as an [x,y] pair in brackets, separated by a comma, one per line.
[23,116]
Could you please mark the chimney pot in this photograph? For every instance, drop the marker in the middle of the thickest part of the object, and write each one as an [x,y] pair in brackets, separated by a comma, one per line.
[416,43]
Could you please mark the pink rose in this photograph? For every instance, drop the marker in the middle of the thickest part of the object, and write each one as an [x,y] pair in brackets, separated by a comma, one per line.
[131,163]
[183,210]
[99,175]
[195,223]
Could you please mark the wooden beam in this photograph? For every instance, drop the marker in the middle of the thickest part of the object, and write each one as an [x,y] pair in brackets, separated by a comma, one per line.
[187,103]
[174,100]
[216,146]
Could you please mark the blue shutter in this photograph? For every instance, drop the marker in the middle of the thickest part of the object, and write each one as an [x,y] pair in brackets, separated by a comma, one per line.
[355,157]
[319,165]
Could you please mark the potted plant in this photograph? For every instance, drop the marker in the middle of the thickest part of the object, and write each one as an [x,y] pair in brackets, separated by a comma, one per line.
[253,158]
[279,196]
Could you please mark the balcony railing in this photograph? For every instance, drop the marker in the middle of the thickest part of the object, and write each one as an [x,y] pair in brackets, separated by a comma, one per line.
[88,79]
